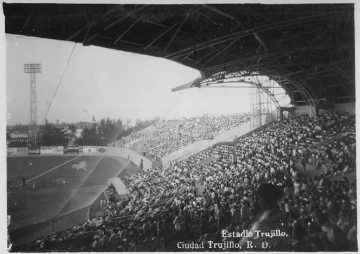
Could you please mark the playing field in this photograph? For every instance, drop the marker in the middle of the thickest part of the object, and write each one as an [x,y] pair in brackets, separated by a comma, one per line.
[65,188]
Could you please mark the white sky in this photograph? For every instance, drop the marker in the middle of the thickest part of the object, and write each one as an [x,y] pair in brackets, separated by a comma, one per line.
[106,83]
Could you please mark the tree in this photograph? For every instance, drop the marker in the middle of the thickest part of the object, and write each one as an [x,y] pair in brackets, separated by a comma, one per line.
[118,128]
[107,129]
[72,134]
[101,133]
[89,137]
[8,132]
[51,135]
[72,128]
[20,128]
[128,123]
[110,129]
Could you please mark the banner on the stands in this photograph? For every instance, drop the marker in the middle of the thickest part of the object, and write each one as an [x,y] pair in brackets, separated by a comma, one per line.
[52,150]
[89,149]
[72,150]
[34,151]
[12,151]
[22,151]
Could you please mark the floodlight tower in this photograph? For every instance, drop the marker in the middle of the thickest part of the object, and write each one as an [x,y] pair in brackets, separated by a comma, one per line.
[33,69]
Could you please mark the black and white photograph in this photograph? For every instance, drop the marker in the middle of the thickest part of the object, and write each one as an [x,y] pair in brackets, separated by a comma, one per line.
[179,126]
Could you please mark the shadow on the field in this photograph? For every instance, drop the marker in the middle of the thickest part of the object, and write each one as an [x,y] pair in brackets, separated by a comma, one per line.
[62,197]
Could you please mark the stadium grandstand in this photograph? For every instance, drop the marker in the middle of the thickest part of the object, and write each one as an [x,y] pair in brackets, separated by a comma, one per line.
[281,177]
[169,136]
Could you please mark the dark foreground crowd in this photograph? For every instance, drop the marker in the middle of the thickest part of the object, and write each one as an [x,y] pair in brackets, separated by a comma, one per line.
[288,187]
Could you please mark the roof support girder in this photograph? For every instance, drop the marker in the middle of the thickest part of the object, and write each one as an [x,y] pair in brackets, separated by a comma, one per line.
[127,30]
[129,14]
[257,37]
[176,32]
[221,51]
[89,25]
[244,33]
[158,37]
[264,89]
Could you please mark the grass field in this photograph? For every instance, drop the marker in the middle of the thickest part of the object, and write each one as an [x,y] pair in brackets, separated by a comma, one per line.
[64,185]
[18,167]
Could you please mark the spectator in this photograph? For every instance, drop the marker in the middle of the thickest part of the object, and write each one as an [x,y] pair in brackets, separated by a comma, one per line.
[315,210]
[168,136]
[114,240]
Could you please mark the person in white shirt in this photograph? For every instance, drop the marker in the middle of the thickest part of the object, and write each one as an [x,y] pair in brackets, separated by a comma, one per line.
[297,187]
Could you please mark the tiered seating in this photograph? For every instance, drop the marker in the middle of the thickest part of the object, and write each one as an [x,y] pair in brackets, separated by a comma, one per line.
[168,136]
[257,183]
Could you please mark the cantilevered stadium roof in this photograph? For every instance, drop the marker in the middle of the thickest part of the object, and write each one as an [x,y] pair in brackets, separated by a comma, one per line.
[308,49]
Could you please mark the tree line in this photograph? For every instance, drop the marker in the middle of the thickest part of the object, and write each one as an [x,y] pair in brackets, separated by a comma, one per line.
[100,133]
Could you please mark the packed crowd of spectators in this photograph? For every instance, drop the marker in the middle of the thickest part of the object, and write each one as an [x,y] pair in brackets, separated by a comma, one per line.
[280,178]
[168,136]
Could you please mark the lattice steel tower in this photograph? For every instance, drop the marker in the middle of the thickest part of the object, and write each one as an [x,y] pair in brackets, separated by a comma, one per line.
[260,108]
[33,69]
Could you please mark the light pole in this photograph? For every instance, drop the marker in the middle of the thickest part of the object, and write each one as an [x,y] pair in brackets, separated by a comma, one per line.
[33,69]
